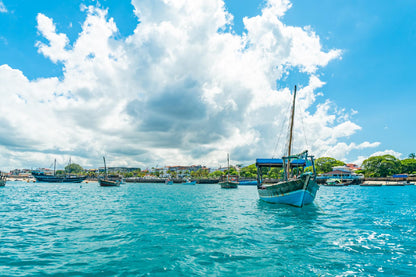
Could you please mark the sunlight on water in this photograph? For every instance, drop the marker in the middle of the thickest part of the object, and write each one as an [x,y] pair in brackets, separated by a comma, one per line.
[154,229]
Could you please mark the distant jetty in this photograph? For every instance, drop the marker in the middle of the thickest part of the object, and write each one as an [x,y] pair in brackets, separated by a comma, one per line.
[162,180]
[389,181]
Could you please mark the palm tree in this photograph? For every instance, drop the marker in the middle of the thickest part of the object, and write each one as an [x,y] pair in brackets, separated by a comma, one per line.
[412,155]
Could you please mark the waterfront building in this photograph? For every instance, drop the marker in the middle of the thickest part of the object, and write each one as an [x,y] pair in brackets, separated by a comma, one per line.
[116,169]
[18,172]
[182,171]
[342,173]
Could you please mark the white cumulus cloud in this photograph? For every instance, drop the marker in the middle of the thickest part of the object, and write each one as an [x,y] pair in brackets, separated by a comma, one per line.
[398,155]
[3,8]
[183,89]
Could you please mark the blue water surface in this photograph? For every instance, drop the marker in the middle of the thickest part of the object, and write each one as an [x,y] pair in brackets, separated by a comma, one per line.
[203,230]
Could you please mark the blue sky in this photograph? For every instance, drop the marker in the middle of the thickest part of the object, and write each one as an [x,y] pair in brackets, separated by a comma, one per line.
[364,63]
[375,75]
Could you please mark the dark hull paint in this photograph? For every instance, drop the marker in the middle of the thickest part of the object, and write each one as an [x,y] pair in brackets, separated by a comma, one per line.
[108,183]
[229,185]
[297,192]
[56,179]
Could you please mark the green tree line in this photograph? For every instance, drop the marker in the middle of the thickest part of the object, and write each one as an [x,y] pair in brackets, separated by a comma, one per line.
[377,166]
[388,165]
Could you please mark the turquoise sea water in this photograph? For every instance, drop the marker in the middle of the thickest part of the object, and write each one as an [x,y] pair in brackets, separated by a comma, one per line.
[203,230]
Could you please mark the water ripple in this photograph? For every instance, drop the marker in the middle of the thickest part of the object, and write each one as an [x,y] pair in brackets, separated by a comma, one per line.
[155,230]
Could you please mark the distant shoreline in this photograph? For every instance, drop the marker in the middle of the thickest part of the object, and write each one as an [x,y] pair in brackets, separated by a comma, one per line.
[364,181]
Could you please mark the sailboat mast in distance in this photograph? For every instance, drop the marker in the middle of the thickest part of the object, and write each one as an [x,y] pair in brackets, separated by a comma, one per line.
[107,182]
[105,168]
[54,167]
[229,184]
[228,162]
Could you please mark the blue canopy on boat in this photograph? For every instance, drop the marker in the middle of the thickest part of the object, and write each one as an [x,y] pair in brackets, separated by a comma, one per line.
[278,162]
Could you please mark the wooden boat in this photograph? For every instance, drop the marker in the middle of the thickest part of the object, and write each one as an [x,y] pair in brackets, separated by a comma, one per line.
[188,182]
[228,184]
[105,182]
[40,176]
[109,183]
[336,183]
[298,187]
[2,180]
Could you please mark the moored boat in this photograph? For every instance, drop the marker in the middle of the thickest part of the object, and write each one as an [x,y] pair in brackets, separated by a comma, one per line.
[188,182]
[41,176]
[336,183]
[228,184]
[298,186]
[109,183]
[105,181]
[2,179]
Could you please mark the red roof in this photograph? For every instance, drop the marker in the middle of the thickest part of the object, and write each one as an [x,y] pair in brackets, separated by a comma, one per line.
[353,166]
[337,172]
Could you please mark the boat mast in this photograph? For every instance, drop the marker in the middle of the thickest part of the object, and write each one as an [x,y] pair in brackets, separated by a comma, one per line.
[105,169]
[289,151]
[228,161]
[69,167]
[54,167]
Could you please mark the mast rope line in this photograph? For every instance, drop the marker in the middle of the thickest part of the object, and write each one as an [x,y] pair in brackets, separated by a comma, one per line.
[304,132]
[279,137]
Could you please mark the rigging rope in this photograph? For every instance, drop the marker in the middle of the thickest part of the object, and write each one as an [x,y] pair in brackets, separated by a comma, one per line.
[278,140]
[303,128]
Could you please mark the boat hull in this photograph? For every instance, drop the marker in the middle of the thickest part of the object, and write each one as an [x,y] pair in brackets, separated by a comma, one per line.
[55,179]
[229,185]
[108,183]
[189,183]
[297,193]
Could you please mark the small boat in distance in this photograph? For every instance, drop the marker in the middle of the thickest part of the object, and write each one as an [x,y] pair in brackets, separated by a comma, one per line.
[189,182]
[298,187]
[2,179]
[105,182]
[41,176]
[168,182]
[228,184]
[333,182]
